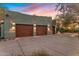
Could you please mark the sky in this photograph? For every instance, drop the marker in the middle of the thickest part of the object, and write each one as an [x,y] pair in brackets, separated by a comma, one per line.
[39,9]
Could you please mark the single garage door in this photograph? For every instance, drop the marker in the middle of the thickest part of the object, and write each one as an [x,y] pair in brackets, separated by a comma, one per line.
[41,30]
[23,30]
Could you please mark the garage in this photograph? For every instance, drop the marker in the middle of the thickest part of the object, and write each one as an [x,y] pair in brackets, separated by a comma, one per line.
[24,30]
[41,30]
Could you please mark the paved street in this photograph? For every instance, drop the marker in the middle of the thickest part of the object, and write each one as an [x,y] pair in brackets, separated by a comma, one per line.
[55,45]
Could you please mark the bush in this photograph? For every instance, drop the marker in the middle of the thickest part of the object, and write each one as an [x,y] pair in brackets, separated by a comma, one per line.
[40,53]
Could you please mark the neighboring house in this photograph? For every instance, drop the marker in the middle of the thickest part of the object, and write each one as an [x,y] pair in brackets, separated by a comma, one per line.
[22,25]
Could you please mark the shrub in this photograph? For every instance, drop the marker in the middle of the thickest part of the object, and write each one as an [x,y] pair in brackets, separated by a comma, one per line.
[40,53]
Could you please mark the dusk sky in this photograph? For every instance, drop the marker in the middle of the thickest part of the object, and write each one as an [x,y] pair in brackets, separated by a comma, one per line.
[39,9]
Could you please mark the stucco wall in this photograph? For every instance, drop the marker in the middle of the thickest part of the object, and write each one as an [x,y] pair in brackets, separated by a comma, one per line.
[24,19]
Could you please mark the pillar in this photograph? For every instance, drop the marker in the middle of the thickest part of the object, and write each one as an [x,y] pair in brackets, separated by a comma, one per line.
[34,29]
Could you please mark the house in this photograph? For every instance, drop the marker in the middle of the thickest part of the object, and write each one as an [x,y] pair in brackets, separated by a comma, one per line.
[21,25]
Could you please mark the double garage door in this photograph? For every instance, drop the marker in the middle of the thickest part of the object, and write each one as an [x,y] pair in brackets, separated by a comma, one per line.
[24,30]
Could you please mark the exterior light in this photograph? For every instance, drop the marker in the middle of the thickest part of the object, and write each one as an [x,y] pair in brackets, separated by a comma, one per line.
[77,26]
[34,24]
[13,23]
[34,27]
[57,17]
[48,25]
[12,29]
[52,18]
[48,28]
[1,21]
[69,27]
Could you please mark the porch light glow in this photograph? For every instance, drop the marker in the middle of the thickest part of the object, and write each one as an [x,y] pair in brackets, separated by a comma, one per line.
[34,27]
[13,23]
[48,28]
[1,21]
[12,29]
[77,26]
[69,27]
[52,18]
[34,24]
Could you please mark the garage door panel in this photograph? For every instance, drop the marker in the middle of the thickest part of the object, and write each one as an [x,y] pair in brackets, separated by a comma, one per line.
[41,30]
[23,30]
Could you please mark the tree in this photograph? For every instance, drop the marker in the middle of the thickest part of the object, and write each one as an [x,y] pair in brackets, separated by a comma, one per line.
[68,12]
[2,12]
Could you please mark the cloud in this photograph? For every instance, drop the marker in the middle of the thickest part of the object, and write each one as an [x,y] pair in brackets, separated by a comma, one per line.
[39,9]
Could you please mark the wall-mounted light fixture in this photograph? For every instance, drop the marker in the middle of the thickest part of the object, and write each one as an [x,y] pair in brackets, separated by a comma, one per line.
[13,23]
[34,27]
[12,28]
[1,20]
[69,28]
[34,24]
[48,28]
[77,26]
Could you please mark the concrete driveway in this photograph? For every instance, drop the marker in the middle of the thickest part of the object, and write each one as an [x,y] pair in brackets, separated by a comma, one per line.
[54,45]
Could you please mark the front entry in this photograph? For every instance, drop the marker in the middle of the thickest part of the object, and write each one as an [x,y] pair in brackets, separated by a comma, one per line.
[24,30]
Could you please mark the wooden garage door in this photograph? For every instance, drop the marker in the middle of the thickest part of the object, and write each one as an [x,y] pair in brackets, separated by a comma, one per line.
[41,30]
[23,30]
